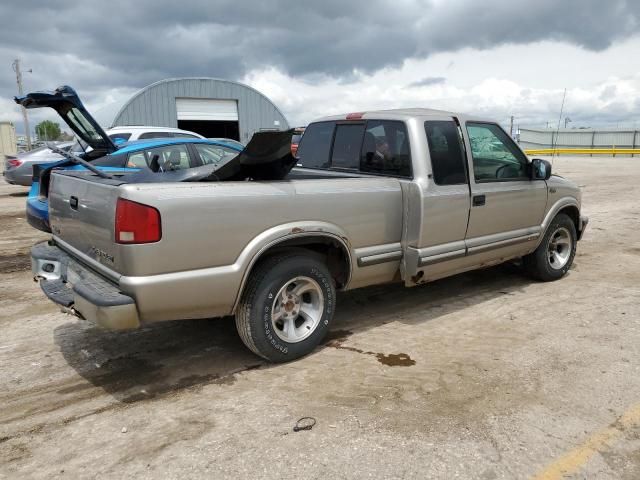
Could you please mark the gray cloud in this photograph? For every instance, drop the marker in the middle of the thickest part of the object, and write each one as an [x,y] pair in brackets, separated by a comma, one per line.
[427,82]
[96,45]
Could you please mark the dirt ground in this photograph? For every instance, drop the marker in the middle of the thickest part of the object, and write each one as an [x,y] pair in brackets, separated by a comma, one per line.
[485,375]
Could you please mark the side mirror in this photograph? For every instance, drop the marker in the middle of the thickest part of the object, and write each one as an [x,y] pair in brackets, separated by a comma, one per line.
[540,169]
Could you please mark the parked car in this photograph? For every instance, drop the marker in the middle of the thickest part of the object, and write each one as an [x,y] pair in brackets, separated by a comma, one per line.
[130,133]
[295,140]
[18,169]
[399,195]
[115,153]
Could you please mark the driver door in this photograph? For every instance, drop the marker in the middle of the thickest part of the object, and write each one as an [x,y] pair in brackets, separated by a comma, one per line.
[507,207]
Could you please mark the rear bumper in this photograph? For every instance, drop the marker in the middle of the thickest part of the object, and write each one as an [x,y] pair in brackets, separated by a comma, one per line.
[38,214]
[16,176]
[80,290]
[582,225]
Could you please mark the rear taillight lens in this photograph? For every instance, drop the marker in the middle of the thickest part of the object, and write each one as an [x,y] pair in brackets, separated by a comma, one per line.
[14,162]
[137,223]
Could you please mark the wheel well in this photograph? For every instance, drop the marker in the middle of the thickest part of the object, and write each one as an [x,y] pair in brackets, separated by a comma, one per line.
[328,250]
[573,213]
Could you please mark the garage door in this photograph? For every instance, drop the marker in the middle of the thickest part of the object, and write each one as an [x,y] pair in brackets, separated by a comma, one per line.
[206,109]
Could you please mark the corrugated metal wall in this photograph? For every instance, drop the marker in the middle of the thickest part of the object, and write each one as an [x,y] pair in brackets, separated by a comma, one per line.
[155,105]
[7,142]
[579,138]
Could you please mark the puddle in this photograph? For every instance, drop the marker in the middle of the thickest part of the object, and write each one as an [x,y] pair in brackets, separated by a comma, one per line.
[336,338]
[395,359]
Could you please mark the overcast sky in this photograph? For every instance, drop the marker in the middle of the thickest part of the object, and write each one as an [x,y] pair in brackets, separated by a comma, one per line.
[312,58]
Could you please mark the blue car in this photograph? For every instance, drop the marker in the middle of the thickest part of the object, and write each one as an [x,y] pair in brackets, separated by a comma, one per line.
[152,160]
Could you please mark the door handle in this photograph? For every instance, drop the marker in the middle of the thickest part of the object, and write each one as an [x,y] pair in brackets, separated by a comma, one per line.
[479,200]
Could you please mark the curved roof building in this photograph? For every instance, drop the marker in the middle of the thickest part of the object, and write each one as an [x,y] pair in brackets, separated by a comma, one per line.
[209,106]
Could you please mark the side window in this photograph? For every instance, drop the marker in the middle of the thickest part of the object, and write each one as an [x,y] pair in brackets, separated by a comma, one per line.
[445,149]
[385,148]
[147,135]
[495,156]
[120,136]
[137,160]
[346,146]
[313,151]
[161,159]
[183,135]
[214,154]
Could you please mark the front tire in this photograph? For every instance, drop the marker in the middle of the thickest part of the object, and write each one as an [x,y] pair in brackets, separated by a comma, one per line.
[554,256]
[287,307]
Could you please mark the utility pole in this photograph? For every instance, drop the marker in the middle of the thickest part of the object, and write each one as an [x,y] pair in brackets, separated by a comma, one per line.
[511,127]
[16,68]
[566,121]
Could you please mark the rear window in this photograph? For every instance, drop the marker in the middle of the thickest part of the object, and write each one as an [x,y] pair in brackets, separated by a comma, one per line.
[313,151]
[346,146]
[385,148]
[375,146]
[445,149]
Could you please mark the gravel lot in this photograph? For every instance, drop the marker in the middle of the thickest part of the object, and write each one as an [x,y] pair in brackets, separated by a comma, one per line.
[485,375]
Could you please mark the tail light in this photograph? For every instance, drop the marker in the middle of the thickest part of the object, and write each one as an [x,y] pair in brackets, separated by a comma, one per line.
[137,223]
[14,162]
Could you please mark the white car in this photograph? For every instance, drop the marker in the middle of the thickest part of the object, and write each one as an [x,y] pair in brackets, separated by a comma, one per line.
[137,132]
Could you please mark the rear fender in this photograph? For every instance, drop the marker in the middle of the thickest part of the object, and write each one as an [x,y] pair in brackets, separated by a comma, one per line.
[271,238]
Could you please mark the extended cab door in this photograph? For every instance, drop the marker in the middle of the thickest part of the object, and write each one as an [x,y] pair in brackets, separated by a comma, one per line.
[437,202]
[507,207]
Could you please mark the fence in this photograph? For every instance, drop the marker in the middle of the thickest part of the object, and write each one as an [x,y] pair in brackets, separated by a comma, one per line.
[580,141]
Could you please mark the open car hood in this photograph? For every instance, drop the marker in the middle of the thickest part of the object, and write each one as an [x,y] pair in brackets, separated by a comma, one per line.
[66,102]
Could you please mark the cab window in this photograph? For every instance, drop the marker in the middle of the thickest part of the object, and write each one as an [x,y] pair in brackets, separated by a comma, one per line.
[496,158]
[445,150]
[315,145]
[346,146]
[385,148]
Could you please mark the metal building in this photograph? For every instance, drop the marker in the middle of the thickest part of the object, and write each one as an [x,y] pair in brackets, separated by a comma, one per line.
[209,106]
[532,138]
[7,141]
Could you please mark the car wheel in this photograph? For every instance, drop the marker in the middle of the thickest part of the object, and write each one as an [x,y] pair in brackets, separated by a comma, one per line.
[554,256]
[286,307]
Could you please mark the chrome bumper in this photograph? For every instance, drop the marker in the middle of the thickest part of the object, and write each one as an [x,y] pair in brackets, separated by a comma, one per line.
[81,291]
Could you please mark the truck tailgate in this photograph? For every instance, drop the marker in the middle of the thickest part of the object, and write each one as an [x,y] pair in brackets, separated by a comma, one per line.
[82,214]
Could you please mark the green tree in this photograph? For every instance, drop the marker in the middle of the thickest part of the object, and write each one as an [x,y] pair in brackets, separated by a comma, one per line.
[48,130]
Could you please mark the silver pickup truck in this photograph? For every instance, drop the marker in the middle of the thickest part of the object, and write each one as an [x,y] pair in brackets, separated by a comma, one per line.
[408,196]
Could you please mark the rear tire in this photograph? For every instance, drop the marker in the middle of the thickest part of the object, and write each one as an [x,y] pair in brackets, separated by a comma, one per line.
[287,307]
[554,256]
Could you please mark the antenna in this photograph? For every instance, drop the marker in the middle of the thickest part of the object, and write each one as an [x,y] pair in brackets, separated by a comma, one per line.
[554,144]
